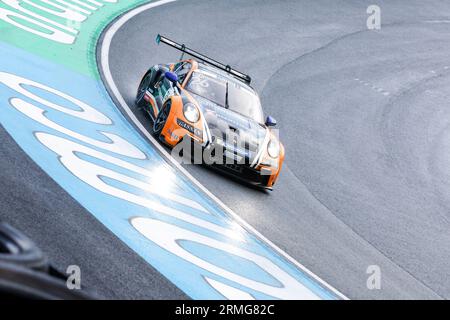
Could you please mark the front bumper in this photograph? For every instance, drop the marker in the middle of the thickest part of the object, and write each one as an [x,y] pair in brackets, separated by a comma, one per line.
[245,173]
[262,176]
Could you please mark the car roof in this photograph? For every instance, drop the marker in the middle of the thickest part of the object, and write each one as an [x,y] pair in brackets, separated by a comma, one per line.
[205,67]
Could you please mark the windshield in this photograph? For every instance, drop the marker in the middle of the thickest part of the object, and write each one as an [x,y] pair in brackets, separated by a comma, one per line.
[214,88]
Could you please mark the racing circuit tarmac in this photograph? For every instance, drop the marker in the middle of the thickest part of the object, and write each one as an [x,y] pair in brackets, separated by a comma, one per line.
[363,116]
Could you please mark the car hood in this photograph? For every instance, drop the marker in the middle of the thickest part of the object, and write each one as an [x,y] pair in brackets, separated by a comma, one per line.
[241,135]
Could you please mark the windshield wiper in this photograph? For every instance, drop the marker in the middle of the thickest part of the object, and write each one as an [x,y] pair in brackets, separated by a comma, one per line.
[226,97]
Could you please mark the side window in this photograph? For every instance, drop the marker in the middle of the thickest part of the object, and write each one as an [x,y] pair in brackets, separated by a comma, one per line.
[159,77]
[178,66]
[182,70]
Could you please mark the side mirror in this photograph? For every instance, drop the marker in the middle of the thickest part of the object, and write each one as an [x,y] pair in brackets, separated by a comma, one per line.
[172,77]
[270,121]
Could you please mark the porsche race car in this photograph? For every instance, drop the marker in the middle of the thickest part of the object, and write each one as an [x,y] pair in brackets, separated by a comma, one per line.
[213,106]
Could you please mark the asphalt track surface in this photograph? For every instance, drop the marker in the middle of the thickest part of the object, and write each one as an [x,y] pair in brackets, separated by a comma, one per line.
[363,116]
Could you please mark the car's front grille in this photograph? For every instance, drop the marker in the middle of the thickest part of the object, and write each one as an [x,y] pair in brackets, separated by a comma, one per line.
[234,167]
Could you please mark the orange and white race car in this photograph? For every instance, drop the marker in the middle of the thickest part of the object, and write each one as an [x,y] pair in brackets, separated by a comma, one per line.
[213,106]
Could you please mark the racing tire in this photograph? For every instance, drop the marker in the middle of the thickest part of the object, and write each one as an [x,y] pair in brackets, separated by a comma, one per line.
[161,119]
[143,86]
[19,250]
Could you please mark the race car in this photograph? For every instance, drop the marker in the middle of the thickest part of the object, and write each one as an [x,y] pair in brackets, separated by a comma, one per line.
[212,106]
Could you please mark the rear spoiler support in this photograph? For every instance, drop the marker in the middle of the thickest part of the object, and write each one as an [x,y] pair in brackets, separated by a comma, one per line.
[195,54]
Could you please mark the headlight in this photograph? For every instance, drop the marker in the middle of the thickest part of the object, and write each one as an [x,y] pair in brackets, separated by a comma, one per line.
[191,113]
[273,148]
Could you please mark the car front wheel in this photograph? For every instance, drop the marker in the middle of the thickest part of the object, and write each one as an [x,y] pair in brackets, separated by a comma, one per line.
[161,119]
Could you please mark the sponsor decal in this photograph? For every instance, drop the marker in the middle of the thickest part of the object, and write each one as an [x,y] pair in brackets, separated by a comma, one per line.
[197,132]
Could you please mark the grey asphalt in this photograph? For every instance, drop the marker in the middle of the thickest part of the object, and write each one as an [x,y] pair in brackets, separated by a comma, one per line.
[364,119]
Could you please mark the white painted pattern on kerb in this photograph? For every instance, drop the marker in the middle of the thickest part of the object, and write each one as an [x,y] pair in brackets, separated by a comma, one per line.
[104,65]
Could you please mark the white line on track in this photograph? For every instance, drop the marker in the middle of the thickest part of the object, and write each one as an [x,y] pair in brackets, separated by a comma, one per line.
[104,56]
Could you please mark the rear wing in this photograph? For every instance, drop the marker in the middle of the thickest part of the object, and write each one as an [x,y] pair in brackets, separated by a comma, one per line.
[212,62]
